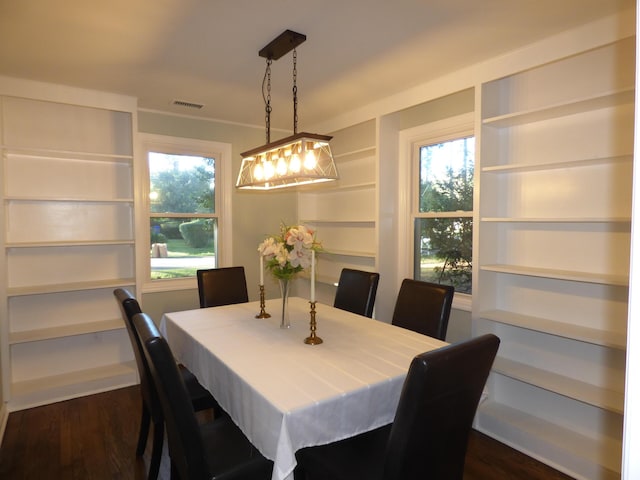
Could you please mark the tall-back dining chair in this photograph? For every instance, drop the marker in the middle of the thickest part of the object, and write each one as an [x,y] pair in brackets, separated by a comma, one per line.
[356,291]
[222,286]
[218,450]
[423,307]
[429,435]
[199,396]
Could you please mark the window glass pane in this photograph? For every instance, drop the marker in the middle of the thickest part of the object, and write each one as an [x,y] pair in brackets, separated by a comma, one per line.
[446,176]
[181,183]
[180,246]
[443,251]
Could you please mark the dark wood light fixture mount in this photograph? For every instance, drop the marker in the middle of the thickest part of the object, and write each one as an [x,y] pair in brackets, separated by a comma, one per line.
[282,44]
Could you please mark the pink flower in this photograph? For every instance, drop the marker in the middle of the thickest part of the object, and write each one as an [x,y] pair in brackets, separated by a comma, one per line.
[300,257]
[290,252]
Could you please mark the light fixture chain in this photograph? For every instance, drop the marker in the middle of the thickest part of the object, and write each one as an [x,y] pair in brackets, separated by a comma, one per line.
[295,92]
[304,158]
[267,99]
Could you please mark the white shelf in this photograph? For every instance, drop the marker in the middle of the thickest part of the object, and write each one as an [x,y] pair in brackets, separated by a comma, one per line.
[555,191]
[69,287]
[79,243]
[326,188]
[351,187]
[333,281]
[575,276]
[611,400]
[68,199]
[349,253]
[581,105]
[65,155]
[42,390]
[345,212]
[572,452]
[530,167]
[617,340]
[65,331]
[354,154]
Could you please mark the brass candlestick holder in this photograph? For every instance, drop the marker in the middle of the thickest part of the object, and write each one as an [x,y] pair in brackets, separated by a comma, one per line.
[313,339]
[262,313]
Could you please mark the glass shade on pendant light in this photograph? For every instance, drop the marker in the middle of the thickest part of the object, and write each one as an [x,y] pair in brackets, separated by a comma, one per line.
[300,159]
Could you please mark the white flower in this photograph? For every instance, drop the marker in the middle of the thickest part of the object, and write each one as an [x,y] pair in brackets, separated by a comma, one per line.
[300,236]
[282,255]
[300,256]
[290,252]
[269,248]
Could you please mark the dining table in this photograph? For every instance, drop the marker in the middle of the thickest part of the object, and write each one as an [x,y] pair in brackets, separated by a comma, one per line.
[285,394]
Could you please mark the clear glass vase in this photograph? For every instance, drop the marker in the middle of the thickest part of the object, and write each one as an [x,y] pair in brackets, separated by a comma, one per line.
[285,286]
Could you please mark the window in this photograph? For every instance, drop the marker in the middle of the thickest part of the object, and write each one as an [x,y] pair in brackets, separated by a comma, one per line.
[443,223]
[436,232]
[184,208]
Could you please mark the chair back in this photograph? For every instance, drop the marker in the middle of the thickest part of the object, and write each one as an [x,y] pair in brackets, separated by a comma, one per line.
[185,439]
[129,307]
[356,291]
[222,286]
[437,405]
[423,307]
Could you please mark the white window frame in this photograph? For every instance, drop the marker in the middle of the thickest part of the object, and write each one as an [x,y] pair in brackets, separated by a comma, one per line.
[410,141]
[221,152]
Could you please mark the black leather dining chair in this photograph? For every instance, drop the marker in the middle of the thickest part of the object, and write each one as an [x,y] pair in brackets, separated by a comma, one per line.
[429,435]
[356,291]
[423,307]
[199,396]
[216,450]
[222,286]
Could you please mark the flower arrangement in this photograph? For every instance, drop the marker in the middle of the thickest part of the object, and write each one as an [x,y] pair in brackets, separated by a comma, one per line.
[289,252]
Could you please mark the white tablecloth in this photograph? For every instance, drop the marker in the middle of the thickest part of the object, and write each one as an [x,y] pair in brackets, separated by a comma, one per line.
[284,394]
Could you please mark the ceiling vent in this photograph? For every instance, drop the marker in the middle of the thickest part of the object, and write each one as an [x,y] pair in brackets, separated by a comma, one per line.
[182,103]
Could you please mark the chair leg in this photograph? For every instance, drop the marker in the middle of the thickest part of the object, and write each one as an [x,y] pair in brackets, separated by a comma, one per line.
[156,453]
[145,420]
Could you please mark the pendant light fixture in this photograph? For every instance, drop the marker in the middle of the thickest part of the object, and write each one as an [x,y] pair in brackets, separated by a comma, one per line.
[300,159]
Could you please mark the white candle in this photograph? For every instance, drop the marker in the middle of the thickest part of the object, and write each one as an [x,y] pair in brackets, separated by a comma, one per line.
[313,275]
[261,270]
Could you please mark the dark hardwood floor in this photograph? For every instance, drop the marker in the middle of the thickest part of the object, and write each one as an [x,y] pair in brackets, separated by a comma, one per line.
[94,438]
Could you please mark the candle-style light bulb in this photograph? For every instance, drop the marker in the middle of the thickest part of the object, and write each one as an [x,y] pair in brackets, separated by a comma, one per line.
[258,172]
[281,167]
[310,160]
[294,163]
[269,169]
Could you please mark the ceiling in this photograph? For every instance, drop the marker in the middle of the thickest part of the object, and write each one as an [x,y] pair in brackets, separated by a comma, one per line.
[206,51]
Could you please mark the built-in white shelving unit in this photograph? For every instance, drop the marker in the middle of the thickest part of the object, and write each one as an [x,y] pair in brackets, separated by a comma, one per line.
[68,211]
[344,213]
[551,273]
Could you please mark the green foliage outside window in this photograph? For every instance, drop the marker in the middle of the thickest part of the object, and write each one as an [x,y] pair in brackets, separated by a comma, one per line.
[181,190]
[197,233]
[181,186]
[446,185]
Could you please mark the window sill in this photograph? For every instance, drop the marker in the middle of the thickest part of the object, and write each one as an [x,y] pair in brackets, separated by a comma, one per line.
[170,285]
[462,301]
